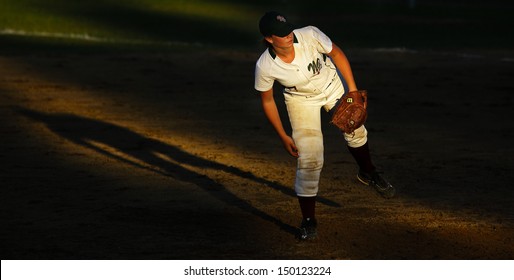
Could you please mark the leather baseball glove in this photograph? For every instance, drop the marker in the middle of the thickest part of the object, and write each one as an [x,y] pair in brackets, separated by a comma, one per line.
[351,112]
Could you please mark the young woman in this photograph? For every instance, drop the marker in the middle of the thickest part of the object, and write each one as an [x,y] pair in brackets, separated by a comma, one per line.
[306,63]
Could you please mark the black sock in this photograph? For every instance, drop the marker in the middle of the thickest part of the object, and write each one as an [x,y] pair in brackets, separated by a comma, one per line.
[363,158]
[308,206]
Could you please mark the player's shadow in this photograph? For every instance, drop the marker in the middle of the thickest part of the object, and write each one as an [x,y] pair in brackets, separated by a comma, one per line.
[131,148]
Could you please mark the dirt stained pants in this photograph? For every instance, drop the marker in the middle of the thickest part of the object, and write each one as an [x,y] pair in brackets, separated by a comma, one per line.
[305,117]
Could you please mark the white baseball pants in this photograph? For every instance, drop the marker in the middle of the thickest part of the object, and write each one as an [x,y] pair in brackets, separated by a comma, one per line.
[305,117]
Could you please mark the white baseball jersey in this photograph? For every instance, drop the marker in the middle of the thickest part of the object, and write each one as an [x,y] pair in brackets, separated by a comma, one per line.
[311,71]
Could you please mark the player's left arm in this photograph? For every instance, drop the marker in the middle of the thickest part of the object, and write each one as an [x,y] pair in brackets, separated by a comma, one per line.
[343,65]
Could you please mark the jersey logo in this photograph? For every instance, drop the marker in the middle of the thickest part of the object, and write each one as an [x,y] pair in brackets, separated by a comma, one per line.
[315,67]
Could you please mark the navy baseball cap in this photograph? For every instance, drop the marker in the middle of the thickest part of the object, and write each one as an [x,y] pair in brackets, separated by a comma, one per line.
[275,23]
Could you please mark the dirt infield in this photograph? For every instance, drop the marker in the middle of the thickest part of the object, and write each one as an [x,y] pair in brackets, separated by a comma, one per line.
[168,155]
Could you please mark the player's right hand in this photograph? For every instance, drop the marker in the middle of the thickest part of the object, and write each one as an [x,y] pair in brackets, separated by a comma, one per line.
[290,146]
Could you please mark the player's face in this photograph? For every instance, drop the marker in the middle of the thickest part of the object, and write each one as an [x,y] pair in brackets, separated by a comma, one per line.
[282,42]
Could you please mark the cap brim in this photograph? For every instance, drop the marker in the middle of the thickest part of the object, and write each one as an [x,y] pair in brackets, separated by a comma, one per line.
[284,30]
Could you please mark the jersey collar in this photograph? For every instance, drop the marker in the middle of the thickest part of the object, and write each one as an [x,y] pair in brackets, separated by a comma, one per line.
[272,52]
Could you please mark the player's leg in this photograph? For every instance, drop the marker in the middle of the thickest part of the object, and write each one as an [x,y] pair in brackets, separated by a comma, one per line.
[309,165]
[357,143]
[359,148]
[305,121]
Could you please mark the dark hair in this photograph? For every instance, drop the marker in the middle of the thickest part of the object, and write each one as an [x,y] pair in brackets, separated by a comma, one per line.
[266,43]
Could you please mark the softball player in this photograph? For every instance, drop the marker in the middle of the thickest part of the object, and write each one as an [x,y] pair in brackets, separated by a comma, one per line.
[306,63]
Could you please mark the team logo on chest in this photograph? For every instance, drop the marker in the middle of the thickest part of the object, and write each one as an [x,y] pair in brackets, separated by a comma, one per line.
[315,67]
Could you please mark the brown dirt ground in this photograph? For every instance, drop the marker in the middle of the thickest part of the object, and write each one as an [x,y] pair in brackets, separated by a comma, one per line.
[168,155]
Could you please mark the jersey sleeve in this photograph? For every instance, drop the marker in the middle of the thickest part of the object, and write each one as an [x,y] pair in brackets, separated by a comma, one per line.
[263,82]
[324,44]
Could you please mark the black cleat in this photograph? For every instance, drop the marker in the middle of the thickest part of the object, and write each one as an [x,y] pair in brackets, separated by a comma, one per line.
[381,185]
[308,229]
